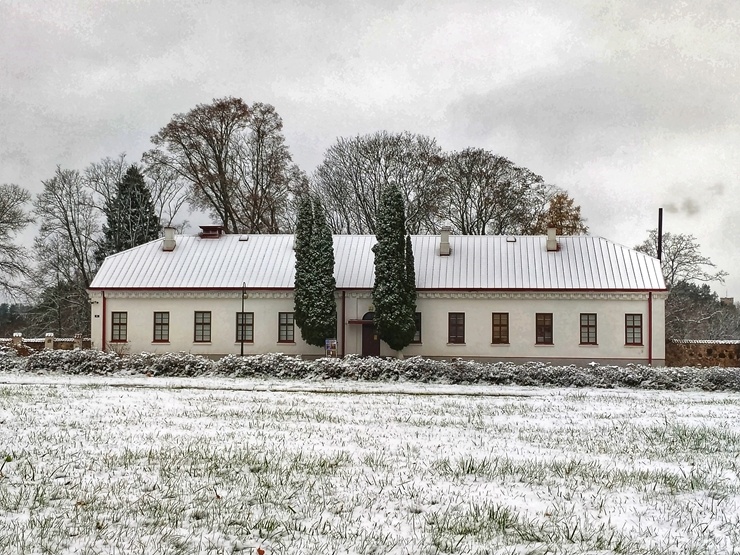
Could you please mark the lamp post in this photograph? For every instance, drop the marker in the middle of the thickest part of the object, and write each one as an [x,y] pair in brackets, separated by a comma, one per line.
[241,317]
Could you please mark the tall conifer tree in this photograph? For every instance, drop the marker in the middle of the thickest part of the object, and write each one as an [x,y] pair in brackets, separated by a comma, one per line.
[315,305]
[303,261]
[130,216]
[394,291]
[410,279]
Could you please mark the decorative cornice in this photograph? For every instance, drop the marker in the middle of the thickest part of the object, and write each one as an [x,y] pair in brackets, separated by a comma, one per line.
[538,295]
[197,294]
[367,294]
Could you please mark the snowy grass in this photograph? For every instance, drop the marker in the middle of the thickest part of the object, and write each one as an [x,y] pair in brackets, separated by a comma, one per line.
[114,465]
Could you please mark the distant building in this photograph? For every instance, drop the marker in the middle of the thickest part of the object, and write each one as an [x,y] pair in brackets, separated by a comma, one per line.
[517,298]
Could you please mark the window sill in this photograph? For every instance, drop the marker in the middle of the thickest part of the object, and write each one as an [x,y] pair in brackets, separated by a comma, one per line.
[285,343]
[237,343]
[160,342]
[202,343]
[544,344]
[119,341]
[634,345]
[500,344]
[455,344]
[588,344]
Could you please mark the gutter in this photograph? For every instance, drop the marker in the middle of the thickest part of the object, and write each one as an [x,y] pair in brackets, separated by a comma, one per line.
[344,325]
[650,328]
[420,289]
[102,343]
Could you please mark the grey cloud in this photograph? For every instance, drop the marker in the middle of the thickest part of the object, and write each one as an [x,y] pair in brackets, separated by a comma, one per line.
[686,206]
[718,189]
[598,107]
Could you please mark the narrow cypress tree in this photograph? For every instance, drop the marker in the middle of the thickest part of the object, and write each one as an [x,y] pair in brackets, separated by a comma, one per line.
[322,322]
[410,280]
[303,261]
[315,305]
[130,216]
[394,290]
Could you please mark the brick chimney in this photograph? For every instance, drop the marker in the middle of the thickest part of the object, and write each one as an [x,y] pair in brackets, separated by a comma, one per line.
[444,241]
[211,231]
[168,245]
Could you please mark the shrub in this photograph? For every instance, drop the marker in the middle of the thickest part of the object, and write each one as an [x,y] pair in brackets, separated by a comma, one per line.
[354,367]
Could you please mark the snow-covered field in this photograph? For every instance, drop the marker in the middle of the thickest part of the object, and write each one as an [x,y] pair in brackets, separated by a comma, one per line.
[135,465]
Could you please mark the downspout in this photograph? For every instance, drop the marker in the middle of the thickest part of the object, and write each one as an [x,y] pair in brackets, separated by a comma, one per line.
[344,321]
[650,328]
[104,318]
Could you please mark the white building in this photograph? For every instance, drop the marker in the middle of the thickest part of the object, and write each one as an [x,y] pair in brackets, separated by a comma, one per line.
[561,299]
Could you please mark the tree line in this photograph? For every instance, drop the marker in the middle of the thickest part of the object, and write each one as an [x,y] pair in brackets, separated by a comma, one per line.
[693,310]
[230,160]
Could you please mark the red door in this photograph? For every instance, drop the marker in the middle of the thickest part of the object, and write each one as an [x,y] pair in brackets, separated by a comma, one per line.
[370,339]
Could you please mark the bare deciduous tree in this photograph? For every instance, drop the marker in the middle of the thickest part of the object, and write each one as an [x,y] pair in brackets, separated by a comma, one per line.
[488,194]
[67,213]
[201,147]
[681,259]
[168,192]
[696,312]
[355,170]
[13,218]
[65,248]
[235,159]
[267,175]
[103,177]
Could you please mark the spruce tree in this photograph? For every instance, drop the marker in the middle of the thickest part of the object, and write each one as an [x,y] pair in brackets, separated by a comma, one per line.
[130,216]
[315,305]
[394,290]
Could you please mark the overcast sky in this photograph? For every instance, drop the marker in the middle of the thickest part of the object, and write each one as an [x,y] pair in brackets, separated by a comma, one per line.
[629,105]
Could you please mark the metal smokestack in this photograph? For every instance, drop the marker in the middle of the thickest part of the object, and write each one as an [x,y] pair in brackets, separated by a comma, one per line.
[660,234]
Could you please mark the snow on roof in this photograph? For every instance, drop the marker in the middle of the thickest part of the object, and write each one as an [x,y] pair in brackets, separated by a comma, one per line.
[476,262]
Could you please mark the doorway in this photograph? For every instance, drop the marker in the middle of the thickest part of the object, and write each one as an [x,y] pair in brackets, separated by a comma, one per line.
[370,339]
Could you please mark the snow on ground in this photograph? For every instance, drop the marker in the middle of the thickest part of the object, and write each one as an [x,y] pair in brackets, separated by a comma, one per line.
[113,465]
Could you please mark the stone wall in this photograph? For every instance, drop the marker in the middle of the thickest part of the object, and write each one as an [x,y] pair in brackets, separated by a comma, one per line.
[702,353]
[27,345]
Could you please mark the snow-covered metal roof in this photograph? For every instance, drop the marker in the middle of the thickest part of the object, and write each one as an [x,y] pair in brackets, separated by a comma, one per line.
[476,262]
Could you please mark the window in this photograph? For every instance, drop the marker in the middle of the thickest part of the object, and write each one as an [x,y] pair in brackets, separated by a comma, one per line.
[119,324]
[544,329]
[456,327]
[285,327]
[588,329]
[161,326]
[202,327]
[244,327]
[500,328]
[633,329]
[417,334]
